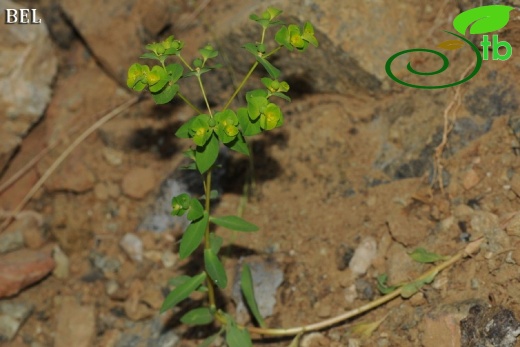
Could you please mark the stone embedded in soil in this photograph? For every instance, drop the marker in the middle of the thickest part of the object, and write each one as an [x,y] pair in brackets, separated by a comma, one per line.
[363,256]
[152,332]
[72,175]
[489,326]
[267,277]
[29,65]
[12,316]
[135,308]
[10,241]
[487,224]
[127,23]
[112,156]
[30,226]
[133,246]
[104,262]
[470,179]
[138,182]
[76,324]
[159,218]
[515,183]
[168,259]
[399,266]
[110,338]
[101,191]
[62,268]
[343,256]
[22,268]
[314,340]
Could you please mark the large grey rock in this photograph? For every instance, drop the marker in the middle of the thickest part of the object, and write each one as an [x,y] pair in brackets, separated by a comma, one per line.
[116,31]
[350,55]
[12,316]
[27,68]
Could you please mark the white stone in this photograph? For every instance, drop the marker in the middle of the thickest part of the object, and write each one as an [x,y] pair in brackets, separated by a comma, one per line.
[133,246]
[363,256]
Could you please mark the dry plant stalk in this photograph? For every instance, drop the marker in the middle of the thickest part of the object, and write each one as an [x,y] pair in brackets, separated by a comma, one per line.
[111,114]
[449,121]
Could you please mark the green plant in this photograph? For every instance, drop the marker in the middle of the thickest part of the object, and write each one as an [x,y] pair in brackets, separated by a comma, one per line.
[208,130]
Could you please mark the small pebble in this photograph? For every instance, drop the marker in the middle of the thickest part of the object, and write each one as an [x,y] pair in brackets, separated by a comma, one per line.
[138,182]
[62,268]
[169,259]
[111,287]
[112,156]
[133,246]
[363,256]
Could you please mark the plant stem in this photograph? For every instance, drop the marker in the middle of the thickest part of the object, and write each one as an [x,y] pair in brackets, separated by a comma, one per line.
[470,249]
[189,103]
[207,244]
[273,51]
[185,63]
[204,95]
[246,77]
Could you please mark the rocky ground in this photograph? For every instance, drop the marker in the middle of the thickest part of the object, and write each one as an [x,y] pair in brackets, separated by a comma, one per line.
[356,167]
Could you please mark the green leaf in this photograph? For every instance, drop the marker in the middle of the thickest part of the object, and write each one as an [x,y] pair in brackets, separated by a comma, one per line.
[177,281]
[206,156]
[236,337]
[150,55]
[198,316]
[196,210]
[184,131]
[157,78]
[239,144]
[271,70]
[409,289]
[256,102]
[251,48]
[209,340]
[174,71]
[200,129]
[182,292]
[249,127]
[136,77]
[381,285]
[226,127]
[166,94]
[282,95]
[212,195]
[423,256]
[271,117]
[234,223]
[215,268]
[308,34]
[283,37]
[193,236]
[246,283]
[296,341]
[485,19]
[273,12]
[215,242]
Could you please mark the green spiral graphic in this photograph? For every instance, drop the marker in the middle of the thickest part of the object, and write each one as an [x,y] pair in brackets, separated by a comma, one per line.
[445,65]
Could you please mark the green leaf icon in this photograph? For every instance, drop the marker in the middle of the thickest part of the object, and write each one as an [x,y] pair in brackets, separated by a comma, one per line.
[485,19]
